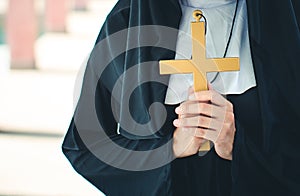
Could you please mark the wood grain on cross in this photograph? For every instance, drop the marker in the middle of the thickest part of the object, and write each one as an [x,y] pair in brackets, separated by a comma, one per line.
[199,65]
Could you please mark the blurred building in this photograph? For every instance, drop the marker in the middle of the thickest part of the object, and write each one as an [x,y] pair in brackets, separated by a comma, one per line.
[24,22]
[43,43]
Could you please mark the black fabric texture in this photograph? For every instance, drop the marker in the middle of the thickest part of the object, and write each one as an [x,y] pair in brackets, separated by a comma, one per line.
[265,157]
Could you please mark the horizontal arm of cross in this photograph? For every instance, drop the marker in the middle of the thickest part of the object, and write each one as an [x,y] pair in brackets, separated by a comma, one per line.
[176,66]
[222,64]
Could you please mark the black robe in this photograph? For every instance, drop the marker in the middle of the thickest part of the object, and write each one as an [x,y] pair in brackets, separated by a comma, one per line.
[265,158]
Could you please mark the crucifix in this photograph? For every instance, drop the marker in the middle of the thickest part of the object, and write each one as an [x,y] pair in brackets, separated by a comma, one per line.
[199,65]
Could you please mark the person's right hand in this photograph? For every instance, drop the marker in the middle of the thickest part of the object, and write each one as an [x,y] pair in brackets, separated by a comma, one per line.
[206,115]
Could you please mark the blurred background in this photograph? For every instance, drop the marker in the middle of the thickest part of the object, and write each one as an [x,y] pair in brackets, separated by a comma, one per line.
[43,43]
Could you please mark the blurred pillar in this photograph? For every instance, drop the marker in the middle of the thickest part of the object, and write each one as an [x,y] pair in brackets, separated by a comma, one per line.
[81,5]
[55,15]
[21,33]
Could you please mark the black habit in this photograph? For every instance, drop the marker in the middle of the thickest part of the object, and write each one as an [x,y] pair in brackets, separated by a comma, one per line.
[265,158]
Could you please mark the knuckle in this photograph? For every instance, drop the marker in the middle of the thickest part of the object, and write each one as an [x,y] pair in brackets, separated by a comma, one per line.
[226,129]
[230,116]
[201,107]
[200,132]
[183,108]
[200,120]
[212,95]
[205,107]
[197,95]
[234,130]
[206,121]
[230,106]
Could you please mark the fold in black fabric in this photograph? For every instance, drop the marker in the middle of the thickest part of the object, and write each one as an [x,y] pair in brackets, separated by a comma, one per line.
[122,82]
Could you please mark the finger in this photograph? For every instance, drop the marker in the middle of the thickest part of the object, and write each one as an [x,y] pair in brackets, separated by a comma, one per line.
[207,134]
[228,129]
[208,96]
[212,97]
[193,132]
[188,108]
[190,132]
[210,87]
[199,121]
[191,90]
[185,115]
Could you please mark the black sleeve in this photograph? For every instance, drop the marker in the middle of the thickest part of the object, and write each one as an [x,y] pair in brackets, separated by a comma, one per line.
[115,164]
[296,6]
[86,158]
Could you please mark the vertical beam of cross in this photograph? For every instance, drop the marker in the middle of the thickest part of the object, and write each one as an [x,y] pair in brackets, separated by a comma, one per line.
[199,65]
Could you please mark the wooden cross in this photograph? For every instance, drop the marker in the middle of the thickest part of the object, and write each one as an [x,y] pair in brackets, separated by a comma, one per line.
[199,65]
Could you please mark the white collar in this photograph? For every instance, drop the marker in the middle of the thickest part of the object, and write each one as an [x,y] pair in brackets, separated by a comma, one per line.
[205,3]
[218,28]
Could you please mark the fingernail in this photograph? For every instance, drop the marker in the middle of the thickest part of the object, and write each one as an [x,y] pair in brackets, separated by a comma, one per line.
[178,110]
[176,123]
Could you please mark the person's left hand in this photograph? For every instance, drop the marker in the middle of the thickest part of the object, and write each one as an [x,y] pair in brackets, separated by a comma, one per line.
[211,117]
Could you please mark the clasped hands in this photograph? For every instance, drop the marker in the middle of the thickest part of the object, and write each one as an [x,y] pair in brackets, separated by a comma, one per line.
[206,115]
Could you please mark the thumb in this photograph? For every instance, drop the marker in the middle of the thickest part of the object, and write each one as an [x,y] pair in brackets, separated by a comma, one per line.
[210,87]
[191,90]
